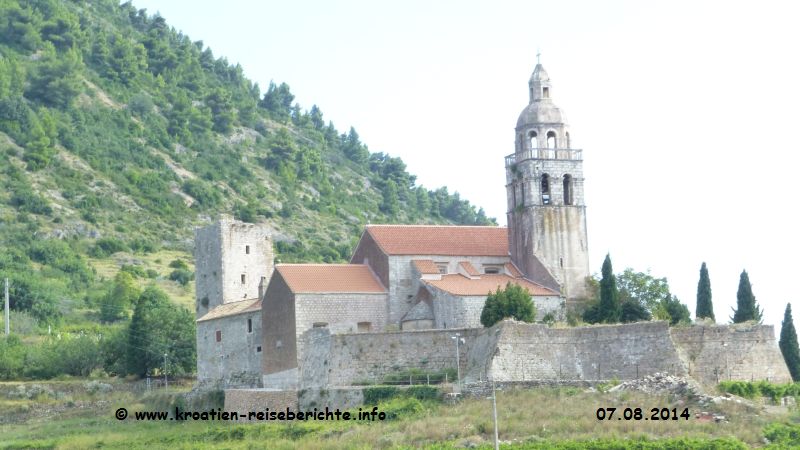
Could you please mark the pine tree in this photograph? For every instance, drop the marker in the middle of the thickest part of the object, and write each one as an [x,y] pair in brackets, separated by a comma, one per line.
[746,306]
[788,344]
[704,306]
[609,296]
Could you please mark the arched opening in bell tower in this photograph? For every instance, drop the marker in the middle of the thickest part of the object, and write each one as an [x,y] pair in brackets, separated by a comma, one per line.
[545,189]
[567,136]
[567,189]
[551,139]
[532,139]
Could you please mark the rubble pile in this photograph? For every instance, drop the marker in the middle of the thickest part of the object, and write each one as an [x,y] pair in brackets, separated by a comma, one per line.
[663,384]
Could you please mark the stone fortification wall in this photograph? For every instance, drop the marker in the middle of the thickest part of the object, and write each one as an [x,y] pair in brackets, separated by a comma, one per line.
[245,400]
[346,359]
[731,352]
[518,352]
[603,352]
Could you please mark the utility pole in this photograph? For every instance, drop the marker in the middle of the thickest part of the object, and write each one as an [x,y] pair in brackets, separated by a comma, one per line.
[166,382]
[8,323]
[458,340]
[494,416]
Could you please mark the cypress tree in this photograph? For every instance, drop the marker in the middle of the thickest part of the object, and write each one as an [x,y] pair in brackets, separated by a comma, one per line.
[746,307]
[704,306]
[788,344]
[609,296]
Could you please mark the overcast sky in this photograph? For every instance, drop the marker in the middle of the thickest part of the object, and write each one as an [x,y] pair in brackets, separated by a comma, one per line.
[686,111]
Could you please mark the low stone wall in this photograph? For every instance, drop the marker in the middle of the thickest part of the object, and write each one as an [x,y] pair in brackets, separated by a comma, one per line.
[245,400]
[341,398]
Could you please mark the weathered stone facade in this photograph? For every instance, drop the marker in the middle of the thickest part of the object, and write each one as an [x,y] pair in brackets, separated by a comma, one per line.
[545,195]
[514,351]
[235,359]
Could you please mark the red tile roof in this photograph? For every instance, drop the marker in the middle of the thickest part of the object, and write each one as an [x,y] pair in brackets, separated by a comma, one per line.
[460,285]
[469,268]
[321,278]
[440,240]
[232,308]
[512,269]
[425,266]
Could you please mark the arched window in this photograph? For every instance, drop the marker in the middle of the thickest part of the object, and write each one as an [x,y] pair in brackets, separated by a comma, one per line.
[567,189]
[545,92]
[551,139]
[568,143]
[545,189]
[521,142]
[532,138]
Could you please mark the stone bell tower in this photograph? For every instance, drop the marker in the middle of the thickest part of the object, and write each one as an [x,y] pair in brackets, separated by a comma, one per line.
[544,183]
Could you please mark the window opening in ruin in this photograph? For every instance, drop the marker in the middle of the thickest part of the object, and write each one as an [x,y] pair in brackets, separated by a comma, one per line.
[364,327]
[532,138]
[246,249]
[320,324]
[219,336]
[546,92]
[545,189]
[249,325]
[551,139]
[258,349]
[243,278]
[567,189]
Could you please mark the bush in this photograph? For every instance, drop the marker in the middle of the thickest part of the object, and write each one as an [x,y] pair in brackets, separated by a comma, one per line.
[107,246]
[178,264]
[183,277]
[401,407]
[375,394]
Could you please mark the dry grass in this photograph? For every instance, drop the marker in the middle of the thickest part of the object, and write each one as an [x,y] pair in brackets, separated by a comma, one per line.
[523,415]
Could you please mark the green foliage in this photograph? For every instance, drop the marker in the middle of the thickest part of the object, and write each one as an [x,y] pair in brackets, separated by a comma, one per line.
[159,327]
[788,344]
[119,298]
[783,436]
[397,408]
[178,264]
[705,309]
[644,443]
[608,308]
[56,78]
[748,389]
[76,355]
[746,306]
[104,247]
[641,288]
[512,301]
[375,394]
[181,276]
[671,309]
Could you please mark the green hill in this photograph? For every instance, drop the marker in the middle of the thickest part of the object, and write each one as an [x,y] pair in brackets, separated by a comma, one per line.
[119,134]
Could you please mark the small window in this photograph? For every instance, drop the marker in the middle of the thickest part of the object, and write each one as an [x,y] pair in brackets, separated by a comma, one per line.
[244,277]
[219,336]
[320,324]
[532,139]
[567,189]
[246,249]
[258,349]
[249,325]
[364,327]
[278,343]
[491,270]
[442,268]
[545,92]
[545,189]
[561,262]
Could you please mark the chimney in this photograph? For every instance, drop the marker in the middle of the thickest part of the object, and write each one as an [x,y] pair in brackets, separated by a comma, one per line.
[261,288]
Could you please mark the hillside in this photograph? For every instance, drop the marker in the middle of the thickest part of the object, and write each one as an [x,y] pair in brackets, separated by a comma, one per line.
[119,135]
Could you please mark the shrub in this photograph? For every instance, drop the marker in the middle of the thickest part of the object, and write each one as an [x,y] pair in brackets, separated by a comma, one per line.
[375,394]
[107,246]
[183,277]
[178,264]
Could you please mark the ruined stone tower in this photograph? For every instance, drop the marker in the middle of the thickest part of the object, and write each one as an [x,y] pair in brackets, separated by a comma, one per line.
[544,183]
[231,258]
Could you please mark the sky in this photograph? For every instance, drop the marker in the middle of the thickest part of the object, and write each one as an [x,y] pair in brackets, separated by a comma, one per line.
[686,112]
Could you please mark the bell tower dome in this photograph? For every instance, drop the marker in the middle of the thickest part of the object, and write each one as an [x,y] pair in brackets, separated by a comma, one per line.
[544,183]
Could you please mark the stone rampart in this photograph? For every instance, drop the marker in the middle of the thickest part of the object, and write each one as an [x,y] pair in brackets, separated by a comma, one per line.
[731,352]
[245,400]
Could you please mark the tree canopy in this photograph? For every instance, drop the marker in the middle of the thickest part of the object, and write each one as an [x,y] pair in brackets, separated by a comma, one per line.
[746,306]
[704,309]
[512,301]
[788,344]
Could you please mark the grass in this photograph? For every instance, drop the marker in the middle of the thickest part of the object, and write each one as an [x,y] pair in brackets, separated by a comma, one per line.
[527,419]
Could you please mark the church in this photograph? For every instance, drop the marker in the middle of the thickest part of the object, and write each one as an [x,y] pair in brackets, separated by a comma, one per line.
[251,313]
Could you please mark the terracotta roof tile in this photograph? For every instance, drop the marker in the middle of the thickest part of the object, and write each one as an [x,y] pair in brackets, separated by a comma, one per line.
[512,269]
[319,278]
[232,308]
[440,240]
[469,268]
[461,285]
[425,266]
